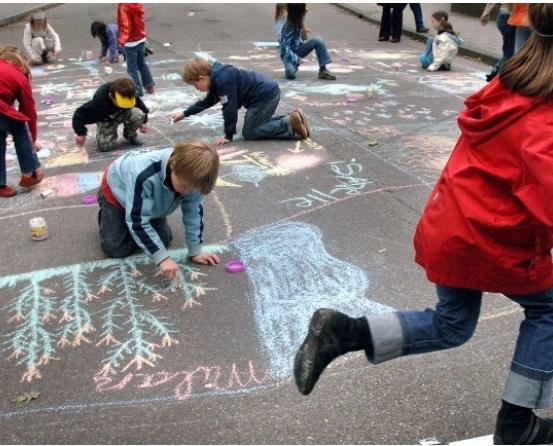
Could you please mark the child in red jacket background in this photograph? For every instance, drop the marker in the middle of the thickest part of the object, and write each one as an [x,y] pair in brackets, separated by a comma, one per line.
[487,226]
[132,37]
[15,84]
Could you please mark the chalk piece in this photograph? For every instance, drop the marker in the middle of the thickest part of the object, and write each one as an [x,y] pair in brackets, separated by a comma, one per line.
[72,59]
[381,250]
[373,143]
[108,70]
[167,44]
[191,13]
[351,99]
[45,193]
[89,199]
[235,266]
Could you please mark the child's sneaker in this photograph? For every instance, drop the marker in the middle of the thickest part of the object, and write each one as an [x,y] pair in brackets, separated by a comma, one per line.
[297,121]
[151,89]
[445,67]
[326,75]
[31,180]
[7,191]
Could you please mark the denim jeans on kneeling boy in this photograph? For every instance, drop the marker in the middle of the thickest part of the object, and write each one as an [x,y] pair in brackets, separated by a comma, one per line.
[115,238]
[259,122]
[453,322]
[136,64]
[28,159]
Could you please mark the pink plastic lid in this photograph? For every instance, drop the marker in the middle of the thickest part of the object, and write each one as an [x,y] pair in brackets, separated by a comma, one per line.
[89,199]
[235,266]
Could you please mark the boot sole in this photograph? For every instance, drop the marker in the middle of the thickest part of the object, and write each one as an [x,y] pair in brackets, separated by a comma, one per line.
[297,124]
[305,358]
[305,123]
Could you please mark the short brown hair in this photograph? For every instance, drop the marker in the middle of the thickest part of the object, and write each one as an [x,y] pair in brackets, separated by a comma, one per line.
[13,55]
[124,86]
[197,164]
[530,71]
[193,70]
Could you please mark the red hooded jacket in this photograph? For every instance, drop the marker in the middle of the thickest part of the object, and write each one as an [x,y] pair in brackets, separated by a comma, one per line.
[15,85]
[130,22]
[488,224]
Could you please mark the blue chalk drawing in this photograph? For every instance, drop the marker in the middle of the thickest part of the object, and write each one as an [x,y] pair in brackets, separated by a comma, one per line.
[292,275]
[211,120]
[266,44]
[247,173]
[88,181]
[48,316]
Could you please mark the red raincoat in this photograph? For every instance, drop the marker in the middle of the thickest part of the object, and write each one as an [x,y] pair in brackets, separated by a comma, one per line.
[488,224]
[15,85]
[130,22]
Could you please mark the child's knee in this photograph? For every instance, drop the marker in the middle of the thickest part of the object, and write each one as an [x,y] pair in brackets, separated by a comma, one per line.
[116,251]
[318,41]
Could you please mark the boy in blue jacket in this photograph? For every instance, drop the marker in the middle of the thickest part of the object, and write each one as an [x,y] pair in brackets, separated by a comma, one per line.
[236,88]
[139,190]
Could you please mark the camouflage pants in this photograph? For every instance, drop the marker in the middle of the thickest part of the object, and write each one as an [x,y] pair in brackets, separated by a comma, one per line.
[106,132]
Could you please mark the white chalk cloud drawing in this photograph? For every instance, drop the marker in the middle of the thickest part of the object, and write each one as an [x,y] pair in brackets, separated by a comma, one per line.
[292,275]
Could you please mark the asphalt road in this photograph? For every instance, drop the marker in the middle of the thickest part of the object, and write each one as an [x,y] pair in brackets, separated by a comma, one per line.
[120,357]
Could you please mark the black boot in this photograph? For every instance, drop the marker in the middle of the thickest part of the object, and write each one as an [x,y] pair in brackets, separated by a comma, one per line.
[519,425]
[330,335]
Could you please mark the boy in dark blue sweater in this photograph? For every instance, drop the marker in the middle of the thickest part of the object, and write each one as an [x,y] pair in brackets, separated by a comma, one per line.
[236,88]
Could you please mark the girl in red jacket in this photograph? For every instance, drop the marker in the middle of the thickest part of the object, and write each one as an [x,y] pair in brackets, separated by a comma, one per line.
[15,75]
[487,226]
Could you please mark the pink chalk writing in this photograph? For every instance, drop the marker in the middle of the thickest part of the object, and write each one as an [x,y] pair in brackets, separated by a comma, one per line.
[185,383]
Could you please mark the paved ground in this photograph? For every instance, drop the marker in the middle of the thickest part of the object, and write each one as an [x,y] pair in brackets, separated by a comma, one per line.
[117,356]
[484,40]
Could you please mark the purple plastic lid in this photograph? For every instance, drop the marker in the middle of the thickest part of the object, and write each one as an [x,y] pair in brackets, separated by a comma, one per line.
[235,266]
[89,199]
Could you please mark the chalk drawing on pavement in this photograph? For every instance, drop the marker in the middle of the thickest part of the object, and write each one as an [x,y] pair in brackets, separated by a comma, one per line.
[292,275]
[51,310]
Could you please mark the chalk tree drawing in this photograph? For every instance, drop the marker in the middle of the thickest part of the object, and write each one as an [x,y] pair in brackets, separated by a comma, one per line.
[291,275]
[47,316]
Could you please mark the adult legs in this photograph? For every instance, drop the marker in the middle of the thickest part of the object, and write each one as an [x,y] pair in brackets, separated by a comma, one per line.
[417,14]
[397,21]
[522,34]
[385,23]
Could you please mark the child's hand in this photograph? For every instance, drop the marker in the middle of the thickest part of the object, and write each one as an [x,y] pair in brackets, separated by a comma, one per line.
[206,259]
[79,140]
[177,117]
[168,268]
[36,146]
[220,141]
[36,60]
[143,128]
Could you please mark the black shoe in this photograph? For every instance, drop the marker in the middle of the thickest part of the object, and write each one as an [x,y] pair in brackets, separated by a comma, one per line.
[491,75]
[330,335]
[422,29]
[445,67]
[383,39]
[395,40]
[326,75]
[537,431]
[135,141]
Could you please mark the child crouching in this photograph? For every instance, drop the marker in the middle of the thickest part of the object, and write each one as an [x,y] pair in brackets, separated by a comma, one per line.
[441,50]
[138,192]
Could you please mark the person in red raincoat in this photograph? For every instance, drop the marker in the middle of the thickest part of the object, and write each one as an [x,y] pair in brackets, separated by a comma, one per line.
[15,84]
[487,226]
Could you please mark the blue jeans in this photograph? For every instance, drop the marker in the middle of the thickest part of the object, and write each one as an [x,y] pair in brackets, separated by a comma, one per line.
[259,122]
[317,44]
[427,57]
[28,160]
[508,33]
[136,63]
[453,322]
[417,13]
[522,34]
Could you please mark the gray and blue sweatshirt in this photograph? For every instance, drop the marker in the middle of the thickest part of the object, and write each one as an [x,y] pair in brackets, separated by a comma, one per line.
[234,88]
[139,183]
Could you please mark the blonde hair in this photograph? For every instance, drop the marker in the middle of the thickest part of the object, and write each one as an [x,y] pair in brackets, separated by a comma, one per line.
[13,55]
[193,70]
[530,71]
[195,163]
